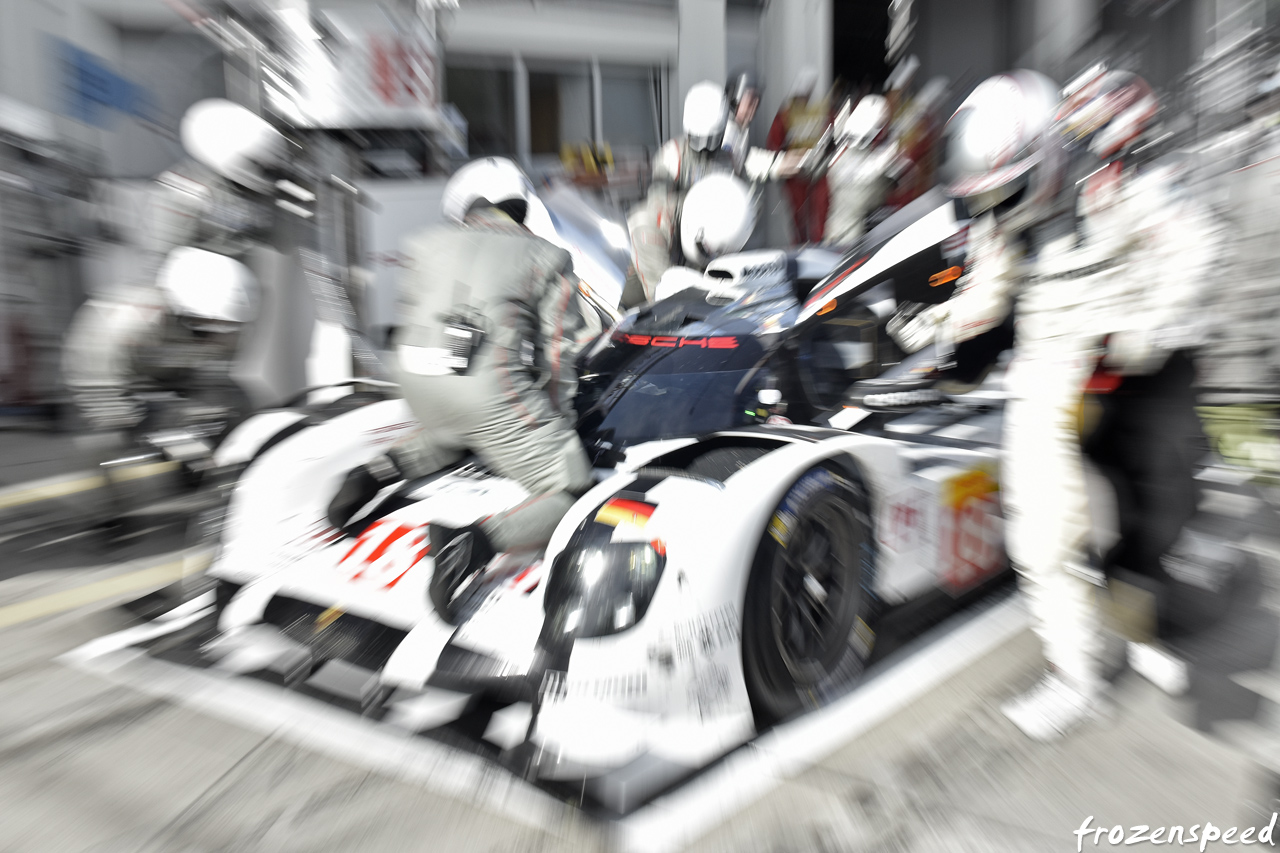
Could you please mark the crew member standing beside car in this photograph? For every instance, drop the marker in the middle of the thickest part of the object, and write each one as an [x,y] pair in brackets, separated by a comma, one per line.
[861,171]
[655,223]
[485,356]
[174,321]
[1115,288]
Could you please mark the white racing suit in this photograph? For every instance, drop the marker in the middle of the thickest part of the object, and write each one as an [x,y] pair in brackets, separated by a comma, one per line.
[126,335]
[858,179]
[511,401]
[655,222]
[1125,293]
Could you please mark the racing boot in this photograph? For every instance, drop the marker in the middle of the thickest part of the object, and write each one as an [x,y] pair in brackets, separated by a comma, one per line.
[1161,667]
[1053,707]
[460,554]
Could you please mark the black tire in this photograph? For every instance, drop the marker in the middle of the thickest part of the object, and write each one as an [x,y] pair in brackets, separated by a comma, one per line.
[809,608]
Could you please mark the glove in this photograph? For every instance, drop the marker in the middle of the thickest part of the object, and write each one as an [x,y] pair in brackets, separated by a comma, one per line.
[759,165]
[361,486]
[916,331]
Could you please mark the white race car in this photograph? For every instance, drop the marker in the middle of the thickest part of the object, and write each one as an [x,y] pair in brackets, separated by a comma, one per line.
[726,572]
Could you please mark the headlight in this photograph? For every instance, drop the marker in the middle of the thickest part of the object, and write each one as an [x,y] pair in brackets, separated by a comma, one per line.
[600,590]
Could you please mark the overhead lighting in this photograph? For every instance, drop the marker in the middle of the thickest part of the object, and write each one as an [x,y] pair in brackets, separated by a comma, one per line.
[293,208]
[296,191]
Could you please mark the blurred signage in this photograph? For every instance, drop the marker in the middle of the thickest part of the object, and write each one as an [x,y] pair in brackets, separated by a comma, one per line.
[92,90]
[356,67]
[403,70]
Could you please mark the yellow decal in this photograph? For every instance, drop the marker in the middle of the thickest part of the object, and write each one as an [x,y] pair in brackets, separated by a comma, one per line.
[327,618]
[974,484]
[780,530]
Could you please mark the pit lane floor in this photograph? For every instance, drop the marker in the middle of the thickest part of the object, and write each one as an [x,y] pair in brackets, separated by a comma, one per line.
[101,751]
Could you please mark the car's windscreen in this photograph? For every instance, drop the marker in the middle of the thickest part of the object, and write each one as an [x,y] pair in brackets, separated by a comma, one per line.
[655,387]
[669,405]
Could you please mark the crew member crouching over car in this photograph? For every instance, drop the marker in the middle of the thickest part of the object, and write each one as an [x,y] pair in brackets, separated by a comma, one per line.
[492,326]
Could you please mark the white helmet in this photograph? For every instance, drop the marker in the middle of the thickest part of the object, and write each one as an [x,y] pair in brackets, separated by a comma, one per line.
[208,290]
[232,141]
[706,113]
[861,127]
[997,144]
[493,180]
[717,219]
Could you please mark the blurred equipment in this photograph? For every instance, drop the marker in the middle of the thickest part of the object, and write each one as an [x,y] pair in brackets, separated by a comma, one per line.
[743,92]
[44,191]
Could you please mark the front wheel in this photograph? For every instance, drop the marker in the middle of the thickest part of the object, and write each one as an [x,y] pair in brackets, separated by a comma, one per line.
[806,627]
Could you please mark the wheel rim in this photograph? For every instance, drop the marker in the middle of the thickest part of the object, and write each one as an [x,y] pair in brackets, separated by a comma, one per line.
[813,593]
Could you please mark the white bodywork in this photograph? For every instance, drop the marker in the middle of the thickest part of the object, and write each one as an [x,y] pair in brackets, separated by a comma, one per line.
[671,687]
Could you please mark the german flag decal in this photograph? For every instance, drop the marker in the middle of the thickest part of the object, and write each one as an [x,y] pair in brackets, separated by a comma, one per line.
[620,511]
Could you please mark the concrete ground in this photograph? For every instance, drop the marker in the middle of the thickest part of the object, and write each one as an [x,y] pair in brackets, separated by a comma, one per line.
[97,763]
[88,764]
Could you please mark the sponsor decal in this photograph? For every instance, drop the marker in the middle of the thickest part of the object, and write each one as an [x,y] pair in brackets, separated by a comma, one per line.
[699,637]
[772,268]
[677,342]
[784,520]
[709,691]
[391,433]
[902,527]
[314,538]
[327,618]
[620,512]
[972,530]
[920,397]
[558,686]
[385,552]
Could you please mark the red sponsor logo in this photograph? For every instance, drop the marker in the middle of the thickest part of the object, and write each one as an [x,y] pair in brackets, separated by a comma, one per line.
[676,342]
[403,71]
[370,555]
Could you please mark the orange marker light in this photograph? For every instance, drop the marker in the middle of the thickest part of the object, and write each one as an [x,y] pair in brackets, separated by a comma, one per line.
[828,308]
[949,274]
